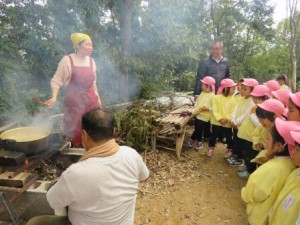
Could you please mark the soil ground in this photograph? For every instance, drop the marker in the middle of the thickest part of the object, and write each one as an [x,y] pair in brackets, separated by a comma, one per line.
[193,190]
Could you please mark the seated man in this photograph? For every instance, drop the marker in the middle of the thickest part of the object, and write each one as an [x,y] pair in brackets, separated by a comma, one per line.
[102,187]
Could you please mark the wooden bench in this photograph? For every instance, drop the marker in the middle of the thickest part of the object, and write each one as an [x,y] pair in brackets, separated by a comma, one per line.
[173,128]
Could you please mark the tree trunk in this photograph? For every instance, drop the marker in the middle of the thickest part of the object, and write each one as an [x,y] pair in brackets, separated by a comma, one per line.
[294,23]
[125,25]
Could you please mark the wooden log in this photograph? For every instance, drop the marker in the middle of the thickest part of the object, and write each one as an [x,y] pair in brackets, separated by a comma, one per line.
[152,112]
[153,140]
[166,130]
[184,122]
[166,148]
[179,143]
[165,137]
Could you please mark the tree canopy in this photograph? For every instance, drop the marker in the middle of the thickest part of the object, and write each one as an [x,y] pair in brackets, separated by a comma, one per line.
[161,43]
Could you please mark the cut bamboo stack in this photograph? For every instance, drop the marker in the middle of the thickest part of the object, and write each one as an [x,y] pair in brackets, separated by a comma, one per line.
[174,122]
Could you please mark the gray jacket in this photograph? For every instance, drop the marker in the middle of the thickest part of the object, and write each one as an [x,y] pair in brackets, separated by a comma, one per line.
[209,67]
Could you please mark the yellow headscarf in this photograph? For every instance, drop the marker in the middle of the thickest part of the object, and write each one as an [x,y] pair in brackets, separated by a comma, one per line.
[77,38]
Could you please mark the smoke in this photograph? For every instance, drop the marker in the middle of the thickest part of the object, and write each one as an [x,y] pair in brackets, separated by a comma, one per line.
[112,85]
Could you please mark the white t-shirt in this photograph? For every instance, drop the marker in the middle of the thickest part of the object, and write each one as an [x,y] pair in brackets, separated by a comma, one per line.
[100,190]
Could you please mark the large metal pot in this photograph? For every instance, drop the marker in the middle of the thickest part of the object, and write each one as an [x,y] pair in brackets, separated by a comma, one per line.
[30,140]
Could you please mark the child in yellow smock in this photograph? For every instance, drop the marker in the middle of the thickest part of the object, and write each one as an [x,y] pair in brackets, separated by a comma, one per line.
[266,113]
[245,132]
[203,111]
[241,111]
[266,182]
[294,107]
[222,108]
[286,209]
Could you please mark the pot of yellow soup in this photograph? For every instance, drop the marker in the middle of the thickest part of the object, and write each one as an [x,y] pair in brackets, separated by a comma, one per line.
[30,140]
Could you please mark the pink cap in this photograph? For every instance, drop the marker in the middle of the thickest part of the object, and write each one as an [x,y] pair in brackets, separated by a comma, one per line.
[273,105]
[295,98]
[250,82]
[273,85]
[210,81]
[226,83]
[296,136]
[282,95]
[260,90]
[284,127]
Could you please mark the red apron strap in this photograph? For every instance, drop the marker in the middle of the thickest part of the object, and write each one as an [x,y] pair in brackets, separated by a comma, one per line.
[72,64]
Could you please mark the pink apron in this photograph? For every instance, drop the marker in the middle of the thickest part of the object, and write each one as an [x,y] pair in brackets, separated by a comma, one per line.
[79,99]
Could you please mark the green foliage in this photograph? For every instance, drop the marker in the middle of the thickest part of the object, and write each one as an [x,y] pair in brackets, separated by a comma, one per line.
[16,96]
[135,126]
[169,39]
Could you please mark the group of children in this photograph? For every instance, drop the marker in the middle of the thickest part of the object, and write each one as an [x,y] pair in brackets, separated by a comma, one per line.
[261,124]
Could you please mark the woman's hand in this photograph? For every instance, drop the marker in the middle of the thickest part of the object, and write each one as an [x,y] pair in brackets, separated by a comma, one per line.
[49,103]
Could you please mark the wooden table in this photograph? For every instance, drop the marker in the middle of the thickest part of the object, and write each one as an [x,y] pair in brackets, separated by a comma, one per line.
[172,127]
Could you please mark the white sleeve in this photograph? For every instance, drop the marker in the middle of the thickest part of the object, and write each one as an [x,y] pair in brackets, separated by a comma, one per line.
[143,170]
[234,114]
[247,110]
[254,119]
[59,196]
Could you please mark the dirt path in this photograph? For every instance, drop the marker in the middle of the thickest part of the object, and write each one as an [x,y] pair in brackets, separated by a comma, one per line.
[195,190]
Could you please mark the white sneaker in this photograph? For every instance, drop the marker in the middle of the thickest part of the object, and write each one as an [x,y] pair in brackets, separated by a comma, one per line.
[190,143]
[199,146]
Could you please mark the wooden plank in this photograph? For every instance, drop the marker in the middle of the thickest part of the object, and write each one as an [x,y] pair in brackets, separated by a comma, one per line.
[166,148]
[179,142]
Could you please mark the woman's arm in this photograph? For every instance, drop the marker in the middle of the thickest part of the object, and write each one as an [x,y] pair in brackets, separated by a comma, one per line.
[97,93]
[52,100]
[61,76]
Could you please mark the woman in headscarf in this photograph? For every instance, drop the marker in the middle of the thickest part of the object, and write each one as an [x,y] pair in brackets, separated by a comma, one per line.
[77,71]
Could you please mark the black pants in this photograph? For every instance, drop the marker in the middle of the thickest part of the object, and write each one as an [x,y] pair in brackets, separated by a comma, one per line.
[237,145]
[217,131]
[207,130]
[200,127]
[248,153]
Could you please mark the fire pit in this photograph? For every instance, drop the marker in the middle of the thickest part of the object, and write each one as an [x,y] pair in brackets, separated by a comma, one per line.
[24,180]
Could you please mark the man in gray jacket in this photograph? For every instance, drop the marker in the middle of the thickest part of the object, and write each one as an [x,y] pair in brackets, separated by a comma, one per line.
[215,66]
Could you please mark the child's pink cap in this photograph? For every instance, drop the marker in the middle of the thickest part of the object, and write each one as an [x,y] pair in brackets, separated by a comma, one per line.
[284,128]
[250,82]
[296,136]
[282,95]
[210,81]
[260,90]
[295,98]
[226,83]
[273,105]
[273,85]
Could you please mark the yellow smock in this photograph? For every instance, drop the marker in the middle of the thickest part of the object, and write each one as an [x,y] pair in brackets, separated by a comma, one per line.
[260,135]
[204,99]
[286,209]
[264,186]
[284,86]
[222,108]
